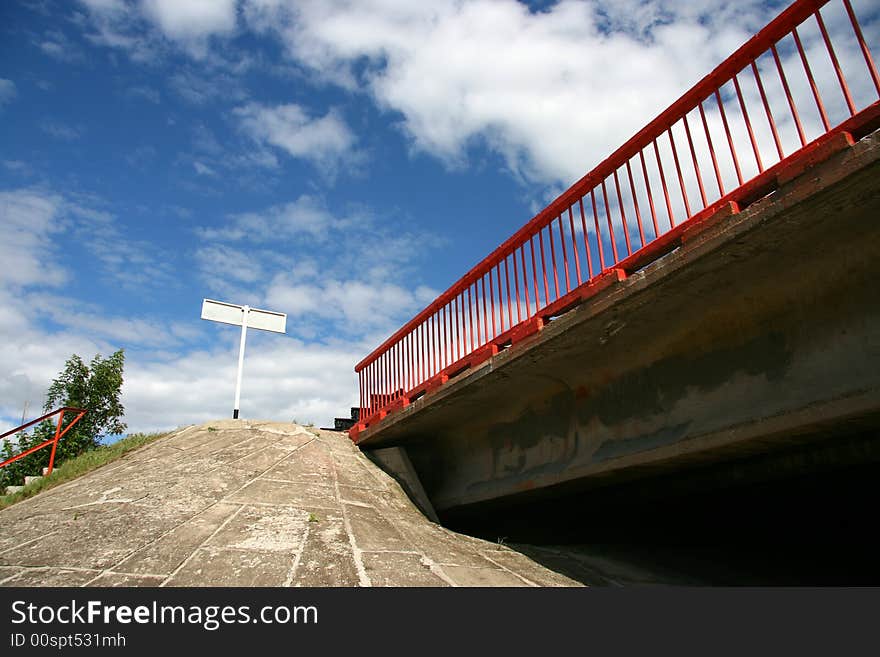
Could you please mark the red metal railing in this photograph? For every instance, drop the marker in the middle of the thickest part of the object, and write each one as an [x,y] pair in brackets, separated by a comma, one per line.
[723,144]
[59,433]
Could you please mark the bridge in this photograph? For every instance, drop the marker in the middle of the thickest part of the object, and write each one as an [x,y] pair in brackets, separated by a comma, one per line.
[702,304]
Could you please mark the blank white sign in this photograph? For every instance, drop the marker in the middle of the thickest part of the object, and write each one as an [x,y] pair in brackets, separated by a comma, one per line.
[231,313]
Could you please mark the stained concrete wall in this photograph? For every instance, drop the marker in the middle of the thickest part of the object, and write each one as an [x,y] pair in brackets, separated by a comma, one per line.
[761,334]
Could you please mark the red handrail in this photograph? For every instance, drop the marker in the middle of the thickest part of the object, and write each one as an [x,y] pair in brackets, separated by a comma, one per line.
[692,145]
[52,441]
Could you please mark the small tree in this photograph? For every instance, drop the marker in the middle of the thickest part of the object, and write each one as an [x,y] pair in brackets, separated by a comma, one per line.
[95,387]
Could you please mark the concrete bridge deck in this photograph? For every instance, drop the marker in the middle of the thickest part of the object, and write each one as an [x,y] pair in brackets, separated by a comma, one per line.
[757,338]
[244,503]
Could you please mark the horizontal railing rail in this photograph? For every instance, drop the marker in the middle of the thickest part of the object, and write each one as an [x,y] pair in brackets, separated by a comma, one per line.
[59,433]
[805,78]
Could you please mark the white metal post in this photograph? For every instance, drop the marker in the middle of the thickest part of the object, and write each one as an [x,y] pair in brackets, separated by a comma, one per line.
[244,323]
[246,317]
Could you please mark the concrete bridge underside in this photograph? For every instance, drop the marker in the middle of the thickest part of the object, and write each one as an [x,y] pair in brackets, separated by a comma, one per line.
[753,348]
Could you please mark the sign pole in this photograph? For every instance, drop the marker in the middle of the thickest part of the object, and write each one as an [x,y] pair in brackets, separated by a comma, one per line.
[245,317]
[244,323]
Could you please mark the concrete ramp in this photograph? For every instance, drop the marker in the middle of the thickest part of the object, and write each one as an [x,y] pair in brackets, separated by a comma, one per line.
[245,503]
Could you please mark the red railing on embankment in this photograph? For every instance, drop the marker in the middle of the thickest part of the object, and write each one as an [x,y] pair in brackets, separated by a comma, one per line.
[59,433]
[802,83]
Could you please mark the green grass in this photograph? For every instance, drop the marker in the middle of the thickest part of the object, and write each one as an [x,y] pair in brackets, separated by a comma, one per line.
[82,464]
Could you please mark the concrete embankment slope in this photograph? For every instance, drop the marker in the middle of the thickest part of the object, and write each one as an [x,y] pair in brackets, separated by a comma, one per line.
[245,503]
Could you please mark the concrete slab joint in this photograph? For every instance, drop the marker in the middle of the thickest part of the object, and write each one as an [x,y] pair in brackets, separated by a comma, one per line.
[232,503]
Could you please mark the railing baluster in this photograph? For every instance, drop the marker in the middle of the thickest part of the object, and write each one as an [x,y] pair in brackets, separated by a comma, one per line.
[586,238]
[485,311]
[610,225]
[819,104]
[739,177]
[794,113]
[535,274]
[622,215]
[555,266]
[632,189]
[684,196]
[844,87]
[650,196]
[564,254]
[863,46]
[522,259]
[507,288]
[663,183]
[500,300]
[687,131]
[470,318]
[598,232]
[767,110]
[544,267]
[516,287]
[745,113]
[574,247]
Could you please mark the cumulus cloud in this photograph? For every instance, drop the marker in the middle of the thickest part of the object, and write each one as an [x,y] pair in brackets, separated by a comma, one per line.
[307,215]
[295,258]
[552,92]
[29,219]
[193,18]
[370,304]
[145,27]
[284,378]
[168,381]
[118,24]
[326,141]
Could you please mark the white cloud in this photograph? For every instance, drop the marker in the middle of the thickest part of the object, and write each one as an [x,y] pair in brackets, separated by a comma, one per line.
[105,6]
[19,167]
[295,258]
[143,92]
[191,18]
[284,377]
[118,24]
[7,91]
[30,358]
[326,141]
[37,222]
[552,92]
[60,130]
[228,270]
[307,215]
[56,45]
[370,305]
[79,316]
[203,169]
[197,89]
[29,220]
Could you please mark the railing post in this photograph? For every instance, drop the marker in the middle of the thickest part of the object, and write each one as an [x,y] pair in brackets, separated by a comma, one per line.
[55,443]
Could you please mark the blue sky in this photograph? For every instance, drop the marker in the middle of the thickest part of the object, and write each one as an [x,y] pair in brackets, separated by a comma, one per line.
[343,162]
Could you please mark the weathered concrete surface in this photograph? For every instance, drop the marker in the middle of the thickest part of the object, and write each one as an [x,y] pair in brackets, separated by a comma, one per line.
[758,334]
[244,503]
